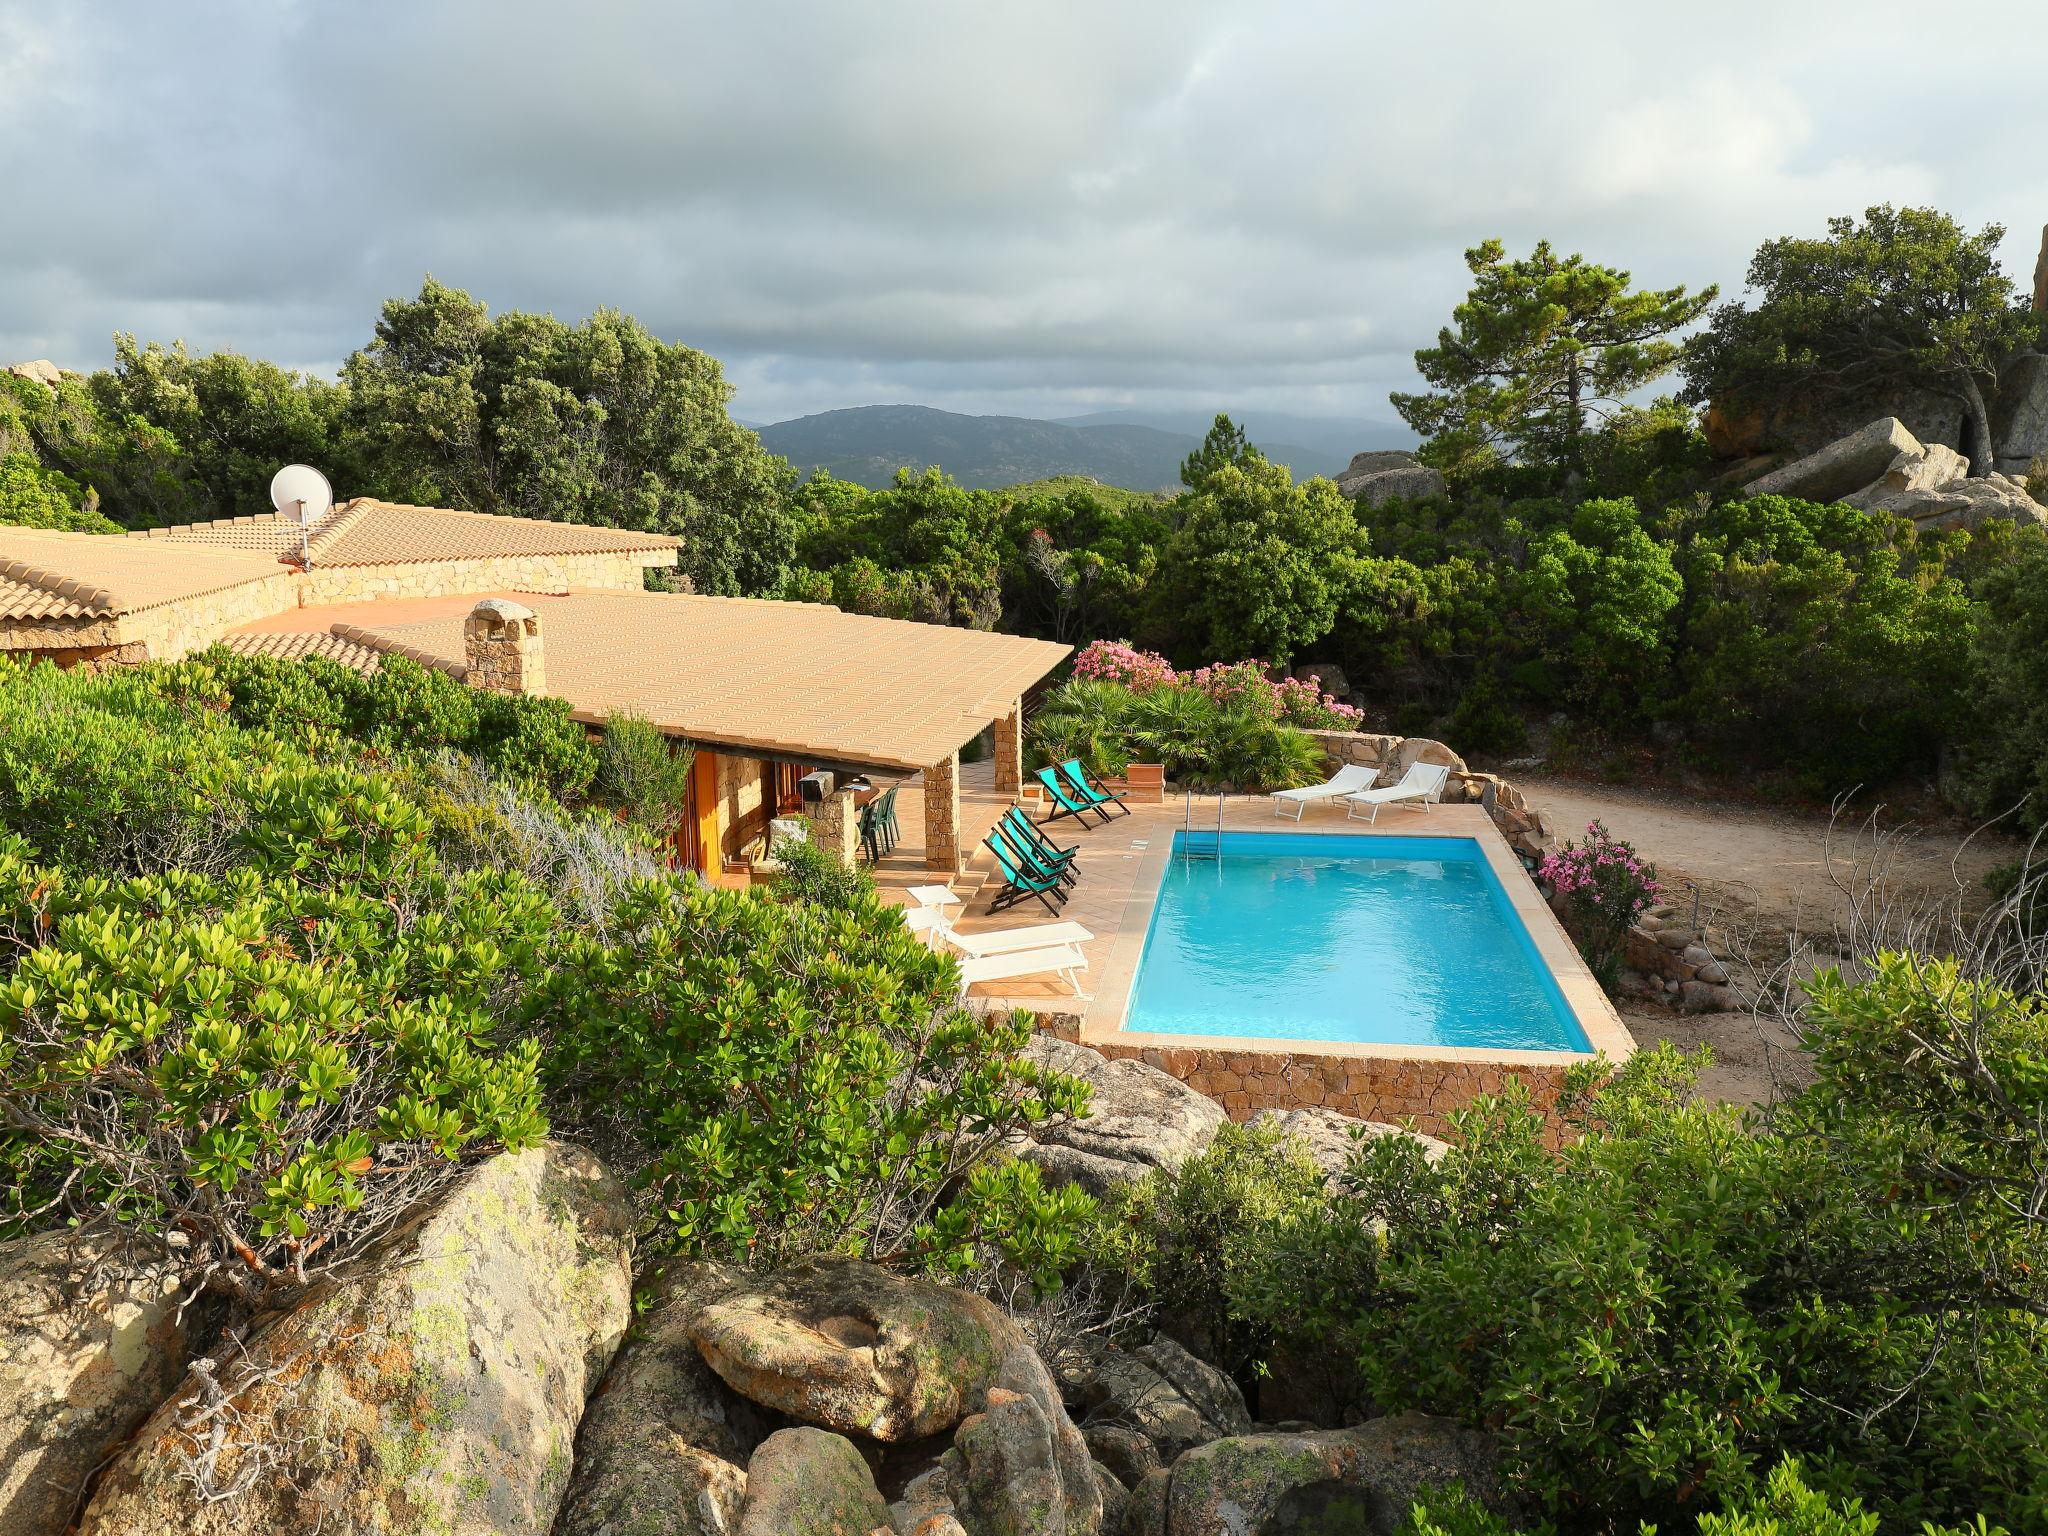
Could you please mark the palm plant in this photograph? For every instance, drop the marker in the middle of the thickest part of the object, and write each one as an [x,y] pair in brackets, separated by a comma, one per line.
[1175,726]
[1083,719]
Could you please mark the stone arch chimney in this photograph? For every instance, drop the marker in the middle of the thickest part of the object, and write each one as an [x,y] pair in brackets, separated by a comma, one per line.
[501,646]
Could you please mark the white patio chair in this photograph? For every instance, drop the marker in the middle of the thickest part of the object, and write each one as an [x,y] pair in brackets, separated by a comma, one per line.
[1421,784]
[1062,960]
[1347,780]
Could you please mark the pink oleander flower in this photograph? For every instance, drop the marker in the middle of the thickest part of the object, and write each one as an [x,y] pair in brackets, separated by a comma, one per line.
[1118,661]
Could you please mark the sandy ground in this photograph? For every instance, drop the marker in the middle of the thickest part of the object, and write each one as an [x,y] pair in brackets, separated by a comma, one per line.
[1756,871]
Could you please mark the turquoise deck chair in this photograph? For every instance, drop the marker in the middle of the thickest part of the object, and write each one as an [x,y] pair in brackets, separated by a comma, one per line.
[1090,789]
[1065,803]
[1018,883]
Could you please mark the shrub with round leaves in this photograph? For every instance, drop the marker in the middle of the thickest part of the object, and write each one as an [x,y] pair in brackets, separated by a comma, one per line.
[794,1077]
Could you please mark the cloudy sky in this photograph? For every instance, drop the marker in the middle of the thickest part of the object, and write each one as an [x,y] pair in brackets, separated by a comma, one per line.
[1039,208]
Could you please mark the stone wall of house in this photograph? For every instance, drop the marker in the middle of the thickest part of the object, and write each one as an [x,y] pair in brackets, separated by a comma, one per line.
[742,791]
[1398,1090]
[445,578]
[1519,822]
[163,633]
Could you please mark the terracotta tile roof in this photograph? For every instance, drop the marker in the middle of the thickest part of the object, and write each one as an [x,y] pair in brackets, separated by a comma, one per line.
[291,647]
[366,531]
[49,575]
[784,679]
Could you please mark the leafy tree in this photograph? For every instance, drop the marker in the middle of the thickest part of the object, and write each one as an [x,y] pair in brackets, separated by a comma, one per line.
[235,421]
[1837,636]
[1225,444]
[598,423]
[1904,300]
[1540,347]
[1595,598]
[34,497]
[1258,567]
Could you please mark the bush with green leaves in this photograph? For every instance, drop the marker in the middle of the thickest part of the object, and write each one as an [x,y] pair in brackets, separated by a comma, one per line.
[1202,741]
[643,775]
[786,1076]
[401,708]
[272,1065]
[1242,1253]
[1653,1316]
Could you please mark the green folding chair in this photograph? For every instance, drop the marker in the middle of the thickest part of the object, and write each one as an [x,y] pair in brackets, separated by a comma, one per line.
[1050,855]
[1064,801]
[1090,789]
[1018,883]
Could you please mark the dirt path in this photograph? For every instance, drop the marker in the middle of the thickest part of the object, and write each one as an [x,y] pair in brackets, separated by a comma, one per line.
[1760,871]
[1746,857]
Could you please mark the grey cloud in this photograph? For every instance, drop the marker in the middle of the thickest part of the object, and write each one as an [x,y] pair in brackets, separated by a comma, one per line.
[1036,208]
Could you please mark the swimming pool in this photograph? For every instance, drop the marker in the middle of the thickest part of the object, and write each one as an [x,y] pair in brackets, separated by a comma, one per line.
[1337,937]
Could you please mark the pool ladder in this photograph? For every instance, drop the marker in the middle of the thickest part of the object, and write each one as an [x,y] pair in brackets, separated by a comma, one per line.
[1190,848]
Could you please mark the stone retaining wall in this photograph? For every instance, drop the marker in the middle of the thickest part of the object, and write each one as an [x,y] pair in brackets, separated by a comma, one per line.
[1419,1092]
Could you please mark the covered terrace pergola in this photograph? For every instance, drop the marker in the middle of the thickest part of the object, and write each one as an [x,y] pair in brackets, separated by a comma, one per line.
[762,690]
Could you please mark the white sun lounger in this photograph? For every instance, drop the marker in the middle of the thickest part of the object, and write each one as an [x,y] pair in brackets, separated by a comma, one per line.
[1348,779]
[1005,940]
[1062,960]
[1421,784]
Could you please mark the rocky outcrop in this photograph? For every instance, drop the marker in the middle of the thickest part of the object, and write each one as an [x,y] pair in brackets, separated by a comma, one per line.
[2041,275]
[810,1482]
[1375,478]
[92,1339]
[2019,425]
[1173,1399]
[1139,1119]
[1842,468]
[437,1387]
[1884,468]
[1331,1138]
[664,1444]
[1361,1480]
[41,371]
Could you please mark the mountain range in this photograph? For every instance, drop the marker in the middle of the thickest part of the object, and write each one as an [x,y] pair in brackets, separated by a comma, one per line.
[1136,450]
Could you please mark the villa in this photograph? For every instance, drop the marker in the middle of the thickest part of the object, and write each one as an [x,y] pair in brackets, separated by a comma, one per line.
[764,692]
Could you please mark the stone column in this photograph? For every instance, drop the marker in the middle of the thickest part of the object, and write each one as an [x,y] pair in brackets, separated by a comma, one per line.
[501,647]
[833,825]
[942,815]
[1010,749]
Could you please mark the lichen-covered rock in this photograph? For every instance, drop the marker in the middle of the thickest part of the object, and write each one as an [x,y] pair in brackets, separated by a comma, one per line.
[810,1482]
[1376,477]
[1146,1515]
[90,1342]
[1362,1479]
[1138,1119]
[1331,1138]
[1129,1454]
[1012,1484]
[1175,1400]
[848,1346]
[664,1443]
[1116,1500]
[438,1388]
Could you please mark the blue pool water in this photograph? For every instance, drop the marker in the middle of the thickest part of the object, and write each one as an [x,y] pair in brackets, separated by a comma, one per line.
[1312,936]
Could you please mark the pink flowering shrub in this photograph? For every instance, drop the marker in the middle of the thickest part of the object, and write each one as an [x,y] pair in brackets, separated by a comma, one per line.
[1292,701]
[1604,886]
[1118,661]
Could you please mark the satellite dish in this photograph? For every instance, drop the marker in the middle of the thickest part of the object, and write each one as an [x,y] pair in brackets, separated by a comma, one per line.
[301,494]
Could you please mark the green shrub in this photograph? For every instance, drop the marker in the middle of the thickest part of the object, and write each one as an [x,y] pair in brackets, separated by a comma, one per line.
[791,1077]
[644,775]
[1201,742]
[1654,1316]
[1241,1251]
[273,1071]
[810,874]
